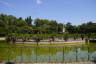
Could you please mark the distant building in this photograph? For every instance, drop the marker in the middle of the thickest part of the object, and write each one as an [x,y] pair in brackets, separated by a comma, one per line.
[64,29]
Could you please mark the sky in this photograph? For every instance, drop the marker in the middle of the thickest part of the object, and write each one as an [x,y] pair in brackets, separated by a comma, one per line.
[74,11]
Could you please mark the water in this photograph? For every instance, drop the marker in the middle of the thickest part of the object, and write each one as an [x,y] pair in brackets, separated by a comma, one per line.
[68,53]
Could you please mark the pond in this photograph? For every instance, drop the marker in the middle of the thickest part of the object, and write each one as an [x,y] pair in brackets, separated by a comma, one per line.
[48,53]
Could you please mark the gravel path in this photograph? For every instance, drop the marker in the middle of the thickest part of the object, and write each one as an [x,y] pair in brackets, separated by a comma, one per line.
[2,38]
[68,42]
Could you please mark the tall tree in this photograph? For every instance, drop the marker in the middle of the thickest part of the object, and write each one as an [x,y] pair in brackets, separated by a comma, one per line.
[29,21]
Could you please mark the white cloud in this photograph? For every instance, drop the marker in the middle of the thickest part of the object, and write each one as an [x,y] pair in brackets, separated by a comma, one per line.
[39,1]
[5,3]
[7,6]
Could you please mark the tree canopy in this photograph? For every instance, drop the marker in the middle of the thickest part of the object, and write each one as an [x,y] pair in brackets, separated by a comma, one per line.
[11,24]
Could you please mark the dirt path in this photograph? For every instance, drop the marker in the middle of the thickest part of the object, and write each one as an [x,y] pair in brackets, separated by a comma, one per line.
[2,38]
[69,42]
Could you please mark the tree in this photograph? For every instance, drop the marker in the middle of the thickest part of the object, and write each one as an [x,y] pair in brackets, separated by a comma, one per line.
[65,36]
[53,26]
[69,28]
[88,27]
[48,26]
[29,21]
[60,27]
[39,22]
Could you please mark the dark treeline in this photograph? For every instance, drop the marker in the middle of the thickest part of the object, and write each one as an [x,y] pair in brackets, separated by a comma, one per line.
[11,24]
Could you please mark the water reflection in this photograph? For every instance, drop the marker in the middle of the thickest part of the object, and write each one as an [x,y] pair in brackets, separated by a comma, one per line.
[47,54]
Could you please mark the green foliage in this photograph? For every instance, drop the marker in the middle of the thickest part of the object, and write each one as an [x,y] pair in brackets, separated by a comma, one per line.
[43,28]
[65,36]
[46,26]
[87,28]
[29,21]
[93,35]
